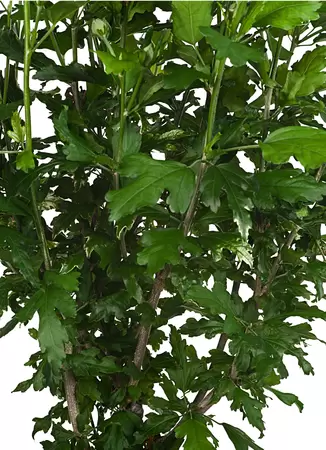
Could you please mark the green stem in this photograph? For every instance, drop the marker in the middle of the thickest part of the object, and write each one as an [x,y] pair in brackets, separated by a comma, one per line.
[6,82]
[183,107]
[91,49]
[37,19]
[108,45]
[294,44]
[240,147]
[27,63]
[4,6]
[44,37]
[122,89]
[7,70]
[272,75]
[55,44]
[135,91]
[209,134]
[307,37]
[199,55]
[269,94]
[74,31]
[28,127]
[9,152]
[74,85]
[214,101]
[40,229]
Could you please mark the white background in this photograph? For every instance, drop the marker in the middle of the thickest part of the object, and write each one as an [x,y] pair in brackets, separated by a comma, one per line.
[286,428]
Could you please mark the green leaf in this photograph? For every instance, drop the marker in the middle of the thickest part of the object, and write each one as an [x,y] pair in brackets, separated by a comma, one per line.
[163,247]
[210,328]
[73,72]
[58,298]
[68,281]
[122,62]
[52,336]
[239,438]
[13,48]
[131,143]
[25,161]
[7,110]
[158,423]
[23,386]
[250,407]
[180,77]
[78,148]
[217,301]
[288,399]
[113,305]
[152,178]
[115,438]
[307,76]
[133,288]
[196,435]
[285,15]
[102,245]
[18,130]
[88,363]
[188,17]
[63,10]
[13,205]
[41,424]
[230,241]
[289,185]
[238,53]
[235,182]
[210,188]
[87,387]
[122,426]
[22,259]
[307,144]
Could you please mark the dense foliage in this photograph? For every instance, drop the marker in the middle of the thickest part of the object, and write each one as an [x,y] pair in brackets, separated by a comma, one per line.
[155,214]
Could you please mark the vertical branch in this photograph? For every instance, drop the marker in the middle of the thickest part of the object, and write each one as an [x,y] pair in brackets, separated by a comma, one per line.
[27,63]
[269,94]
[159,283]
[69,382]
[7,70]
[209,134]
[68,376]
[118,156]
[74,85]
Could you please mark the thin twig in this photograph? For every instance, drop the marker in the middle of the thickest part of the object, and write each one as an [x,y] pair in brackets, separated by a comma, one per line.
[69,382]
[144,332]
[287,244]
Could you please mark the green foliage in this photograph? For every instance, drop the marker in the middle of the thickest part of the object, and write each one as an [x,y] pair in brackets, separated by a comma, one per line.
[306,144]
[188,17]
[151,178]
[158,212]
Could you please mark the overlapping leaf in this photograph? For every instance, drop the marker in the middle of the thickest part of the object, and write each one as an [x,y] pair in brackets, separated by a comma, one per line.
[152,178]
[289,185]
[238,53]
[285,15]
[307,144]
[235,182]
[163,247]
[196,434]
